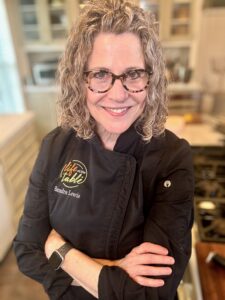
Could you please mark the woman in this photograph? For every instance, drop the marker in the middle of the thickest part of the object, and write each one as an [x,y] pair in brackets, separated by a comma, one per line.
[108,212]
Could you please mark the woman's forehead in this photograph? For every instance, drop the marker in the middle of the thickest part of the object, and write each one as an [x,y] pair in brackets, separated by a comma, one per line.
[120,50]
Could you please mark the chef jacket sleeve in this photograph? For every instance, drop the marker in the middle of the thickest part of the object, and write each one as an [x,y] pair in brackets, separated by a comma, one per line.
[168,223]
[33,231]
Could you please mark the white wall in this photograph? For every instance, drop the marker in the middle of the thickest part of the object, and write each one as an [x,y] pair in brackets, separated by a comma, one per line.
[211,46]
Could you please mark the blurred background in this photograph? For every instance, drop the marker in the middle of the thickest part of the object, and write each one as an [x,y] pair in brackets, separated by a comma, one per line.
[32,38]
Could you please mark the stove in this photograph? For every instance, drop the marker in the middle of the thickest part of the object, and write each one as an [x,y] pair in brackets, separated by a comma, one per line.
[209,165]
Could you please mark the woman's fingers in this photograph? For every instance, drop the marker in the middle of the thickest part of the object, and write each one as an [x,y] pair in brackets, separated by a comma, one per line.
[153,259]
[145,270]
[147,260]
[151,248]
[153,271]
[149,282]
[134,267]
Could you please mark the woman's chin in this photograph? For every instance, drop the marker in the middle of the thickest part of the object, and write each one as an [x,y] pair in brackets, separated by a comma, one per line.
[116,130]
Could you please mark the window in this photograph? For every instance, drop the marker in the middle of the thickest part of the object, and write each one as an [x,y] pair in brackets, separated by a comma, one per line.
[11,98]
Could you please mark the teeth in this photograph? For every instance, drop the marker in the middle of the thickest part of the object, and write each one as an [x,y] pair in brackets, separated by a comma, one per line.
[117,110]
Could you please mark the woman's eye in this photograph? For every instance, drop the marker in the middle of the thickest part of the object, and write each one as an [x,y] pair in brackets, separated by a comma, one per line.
[133,74]
[101,75]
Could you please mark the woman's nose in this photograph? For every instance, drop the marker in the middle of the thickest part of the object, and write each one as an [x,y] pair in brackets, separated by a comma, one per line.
[117,91]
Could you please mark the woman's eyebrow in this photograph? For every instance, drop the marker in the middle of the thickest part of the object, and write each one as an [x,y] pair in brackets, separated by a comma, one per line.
[99,69]
[134,68]
[109,70]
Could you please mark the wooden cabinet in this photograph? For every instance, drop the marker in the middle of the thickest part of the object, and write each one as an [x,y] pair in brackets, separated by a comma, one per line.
[18,150]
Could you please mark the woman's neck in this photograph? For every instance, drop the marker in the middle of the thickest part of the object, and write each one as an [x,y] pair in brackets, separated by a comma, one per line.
[108,139]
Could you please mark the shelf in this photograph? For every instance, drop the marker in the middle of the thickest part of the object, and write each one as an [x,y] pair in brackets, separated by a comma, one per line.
[58,7]
[149,6]
[182,2]
[39,48]
[30,27]
[28,8]
[41,89]
[58,27]
[180,87]
[149,2]
[177,44]
[178,22]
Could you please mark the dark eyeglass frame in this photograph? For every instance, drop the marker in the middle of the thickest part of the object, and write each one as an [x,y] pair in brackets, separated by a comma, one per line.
[121,77]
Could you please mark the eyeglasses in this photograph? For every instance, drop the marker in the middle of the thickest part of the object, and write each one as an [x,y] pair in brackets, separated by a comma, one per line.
[134,80]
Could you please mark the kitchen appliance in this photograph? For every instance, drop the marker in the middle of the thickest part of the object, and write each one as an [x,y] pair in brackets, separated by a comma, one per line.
[44,72]
[209,164]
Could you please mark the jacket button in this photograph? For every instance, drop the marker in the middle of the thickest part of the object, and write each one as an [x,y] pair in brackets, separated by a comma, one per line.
[167,184]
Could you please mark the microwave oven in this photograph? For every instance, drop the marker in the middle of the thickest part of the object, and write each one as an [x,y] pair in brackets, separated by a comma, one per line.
[44,73]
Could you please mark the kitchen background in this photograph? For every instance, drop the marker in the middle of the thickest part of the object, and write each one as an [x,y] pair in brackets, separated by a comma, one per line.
[32,38]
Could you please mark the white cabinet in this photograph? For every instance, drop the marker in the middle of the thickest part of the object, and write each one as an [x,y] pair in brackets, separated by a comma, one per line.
[179,32]
[175,17]
[43,28]
[18,150]
[44,21]
[39,29]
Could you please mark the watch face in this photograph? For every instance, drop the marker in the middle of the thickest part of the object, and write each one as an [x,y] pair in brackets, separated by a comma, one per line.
[55,260]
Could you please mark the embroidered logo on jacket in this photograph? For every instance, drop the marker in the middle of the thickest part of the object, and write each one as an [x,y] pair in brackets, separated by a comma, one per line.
[73,174]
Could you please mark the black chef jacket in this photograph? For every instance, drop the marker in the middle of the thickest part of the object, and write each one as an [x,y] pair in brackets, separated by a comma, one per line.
[105,203]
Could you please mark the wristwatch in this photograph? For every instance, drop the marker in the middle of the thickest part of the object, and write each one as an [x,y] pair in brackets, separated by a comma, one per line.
[58,256]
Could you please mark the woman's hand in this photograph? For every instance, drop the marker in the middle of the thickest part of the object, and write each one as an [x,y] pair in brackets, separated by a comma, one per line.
[139,264]
[53,242]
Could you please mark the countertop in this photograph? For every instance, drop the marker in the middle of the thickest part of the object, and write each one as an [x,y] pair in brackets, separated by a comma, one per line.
[212,276]
[197,134]
[11,123]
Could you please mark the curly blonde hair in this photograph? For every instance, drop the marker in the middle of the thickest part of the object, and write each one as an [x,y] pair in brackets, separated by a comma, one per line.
[110,16]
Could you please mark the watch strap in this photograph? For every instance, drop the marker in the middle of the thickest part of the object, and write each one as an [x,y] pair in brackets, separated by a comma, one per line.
[64,249]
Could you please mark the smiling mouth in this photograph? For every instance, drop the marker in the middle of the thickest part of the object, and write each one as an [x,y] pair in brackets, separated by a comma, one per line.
[120,111]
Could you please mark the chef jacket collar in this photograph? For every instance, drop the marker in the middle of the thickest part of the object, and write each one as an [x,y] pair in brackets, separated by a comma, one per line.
[130,142]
